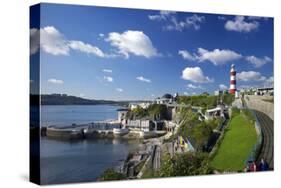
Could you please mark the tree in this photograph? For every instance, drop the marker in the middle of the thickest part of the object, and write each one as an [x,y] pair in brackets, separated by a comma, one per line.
[185,164]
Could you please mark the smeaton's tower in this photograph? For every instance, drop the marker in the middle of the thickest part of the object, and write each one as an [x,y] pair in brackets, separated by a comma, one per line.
[232,88]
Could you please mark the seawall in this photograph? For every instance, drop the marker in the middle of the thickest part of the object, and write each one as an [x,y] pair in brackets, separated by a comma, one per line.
[259,103]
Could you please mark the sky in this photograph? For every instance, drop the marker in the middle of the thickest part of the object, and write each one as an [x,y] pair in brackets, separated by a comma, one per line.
[133,54]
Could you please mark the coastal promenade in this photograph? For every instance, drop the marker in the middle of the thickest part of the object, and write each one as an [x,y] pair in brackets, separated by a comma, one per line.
[266,151]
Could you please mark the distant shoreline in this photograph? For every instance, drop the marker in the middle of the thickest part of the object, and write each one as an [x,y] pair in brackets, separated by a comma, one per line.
[63,99]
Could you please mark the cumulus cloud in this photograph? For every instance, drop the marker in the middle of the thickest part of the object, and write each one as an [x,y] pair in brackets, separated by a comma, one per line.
[86,48]
[172,23]
[34,40]
[132,42]
[141,78]
[52,41]
[186,55]
[119,89]
[222,56]
[107,70]
[55,81]
[108,78]
[223,87]
[250,76]
[258,62]
[196,75]
[240,25]
[217,56]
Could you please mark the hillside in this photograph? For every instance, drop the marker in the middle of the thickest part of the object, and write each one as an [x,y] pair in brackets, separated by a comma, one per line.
[63,99]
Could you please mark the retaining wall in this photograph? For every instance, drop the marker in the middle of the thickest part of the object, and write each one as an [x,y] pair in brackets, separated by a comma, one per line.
[258,103]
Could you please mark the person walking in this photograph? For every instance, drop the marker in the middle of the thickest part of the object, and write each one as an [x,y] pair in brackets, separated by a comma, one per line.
[253,167]
[263,166]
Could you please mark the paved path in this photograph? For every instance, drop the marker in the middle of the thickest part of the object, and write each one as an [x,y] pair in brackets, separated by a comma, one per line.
[157,158]
[267,133]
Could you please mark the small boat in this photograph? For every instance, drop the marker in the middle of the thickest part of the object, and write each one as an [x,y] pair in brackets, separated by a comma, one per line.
[120,132]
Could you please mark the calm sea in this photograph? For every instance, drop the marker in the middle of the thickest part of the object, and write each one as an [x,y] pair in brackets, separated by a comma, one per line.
[84,160]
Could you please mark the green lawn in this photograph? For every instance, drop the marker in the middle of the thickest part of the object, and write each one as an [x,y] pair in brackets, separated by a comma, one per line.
[239,139]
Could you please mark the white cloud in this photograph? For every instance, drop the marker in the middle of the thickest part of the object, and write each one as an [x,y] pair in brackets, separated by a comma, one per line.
[101,35]
[34,40]
[108,78]
[119,89]
[53,42]
[141,78]
[107,70]
[217,56]
[193,21]
[55,81]
[185,93]
[132,42]
[186,55]
[223,87]
[250,76]
[86,48]
[240,25]
[163,15]
[258,62]
[172,22]
[191,86]
[195,74]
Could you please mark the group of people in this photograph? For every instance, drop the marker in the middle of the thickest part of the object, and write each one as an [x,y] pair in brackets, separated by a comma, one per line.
[252,166]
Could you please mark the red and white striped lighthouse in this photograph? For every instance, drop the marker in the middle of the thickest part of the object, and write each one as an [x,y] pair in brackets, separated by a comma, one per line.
[232,88]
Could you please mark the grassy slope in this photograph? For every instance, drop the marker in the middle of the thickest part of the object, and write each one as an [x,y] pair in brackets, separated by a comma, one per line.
[236,145]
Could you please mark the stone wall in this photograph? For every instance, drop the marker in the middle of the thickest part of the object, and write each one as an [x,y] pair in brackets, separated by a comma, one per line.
[258,103]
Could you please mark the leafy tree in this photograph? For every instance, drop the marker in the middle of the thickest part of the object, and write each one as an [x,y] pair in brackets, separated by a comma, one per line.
[205,101]
[228,98]
[158,111]
[185,164]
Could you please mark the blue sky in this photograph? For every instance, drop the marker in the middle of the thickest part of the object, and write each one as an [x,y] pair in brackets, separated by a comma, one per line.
[126,54]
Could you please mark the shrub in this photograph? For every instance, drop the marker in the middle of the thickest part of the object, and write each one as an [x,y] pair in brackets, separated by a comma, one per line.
[185,164]
[111,174]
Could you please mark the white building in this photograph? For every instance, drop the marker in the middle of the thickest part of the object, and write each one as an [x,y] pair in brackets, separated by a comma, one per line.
[139,125]
[166,99]
[143,105]
[215,112]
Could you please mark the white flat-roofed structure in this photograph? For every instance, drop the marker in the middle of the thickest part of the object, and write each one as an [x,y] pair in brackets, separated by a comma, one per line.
[215,112]
[141,125]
